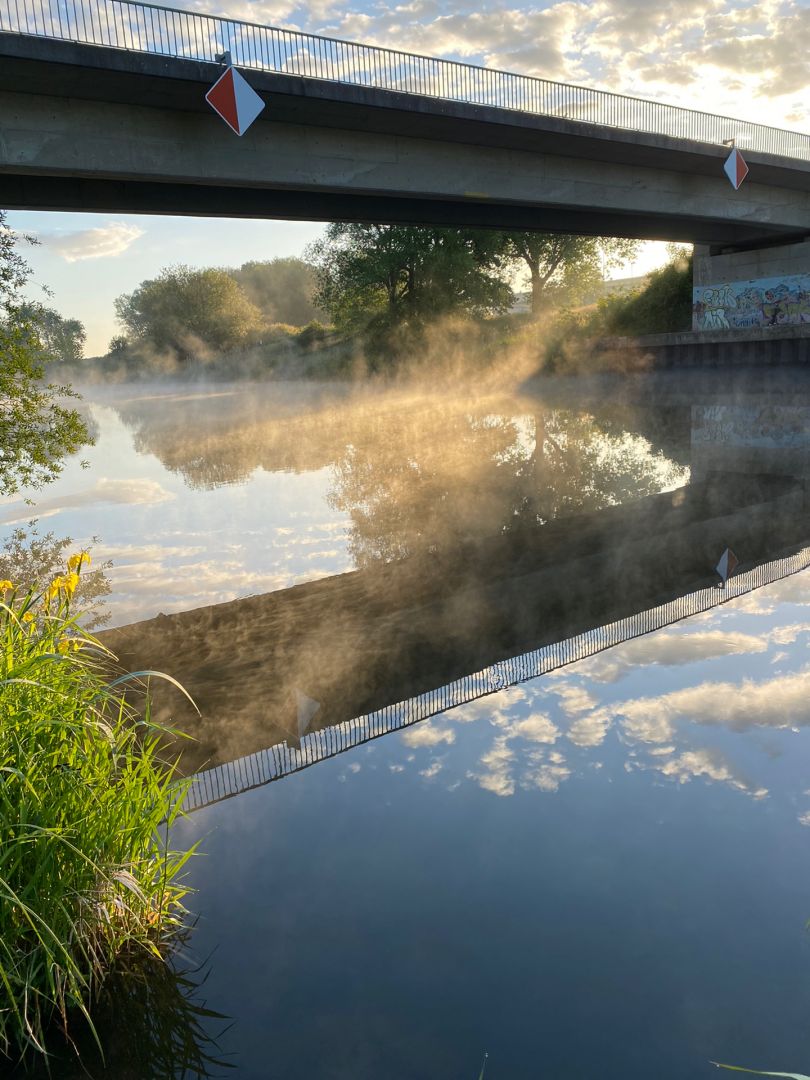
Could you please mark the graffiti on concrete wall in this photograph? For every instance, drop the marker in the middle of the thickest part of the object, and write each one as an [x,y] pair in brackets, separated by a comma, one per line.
[776,301]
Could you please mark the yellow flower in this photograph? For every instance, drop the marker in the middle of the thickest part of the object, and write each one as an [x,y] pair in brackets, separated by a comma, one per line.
[28,616]
[53,590]
[5,586]
[76,562]
[69,583]
[63,646]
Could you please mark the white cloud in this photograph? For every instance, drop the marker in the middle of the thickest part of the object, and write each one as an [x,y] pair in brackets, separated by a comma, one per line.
[780,702]
[536,728]
[432,770]
[105,241]
[590,730]
[709,764]
[671,648]
[425,734]
[574,699]
[546,777]
[127,492]
[738,60]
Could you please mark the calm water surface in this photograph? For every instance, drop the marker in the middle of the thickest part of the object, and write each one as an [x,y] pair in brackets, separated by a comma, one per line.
[600,872]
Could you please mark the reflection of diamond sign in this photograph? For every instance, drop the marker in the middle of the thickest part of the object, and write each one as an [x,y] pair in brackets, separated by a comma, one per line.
[235,100]
[727,565]
[735,168]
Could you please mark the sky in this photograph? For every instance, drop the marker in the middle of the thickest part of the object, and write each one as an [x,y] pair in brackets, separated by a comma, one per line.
[734,57]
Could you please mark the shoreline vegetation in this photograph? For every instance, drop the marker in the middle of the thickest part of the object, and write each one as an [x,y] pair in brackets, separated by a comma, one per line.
[383,301]
[87,882]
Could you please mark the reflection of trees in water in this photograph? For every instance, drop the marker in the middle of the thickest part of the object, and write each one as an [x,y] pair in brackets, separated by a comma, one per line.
[413,473]
[423,477]
[427,478]
[220,438]
[28,559]
[150,1023]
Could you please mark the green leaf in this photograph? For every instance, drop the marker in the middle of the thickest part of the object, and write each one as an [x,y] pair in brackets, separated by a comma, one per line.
[760,1072]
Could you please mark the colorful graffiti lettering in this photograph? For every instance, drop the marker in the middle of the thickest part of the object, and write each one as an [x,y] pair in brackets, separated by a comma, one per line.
[740,304]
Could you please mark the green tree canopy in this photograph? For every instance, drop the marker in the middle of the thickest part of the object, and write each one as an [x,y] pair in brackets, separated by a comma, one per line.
[377,277]
[559,265]
[62,339]
[662,306]
[189,311]
[37,426]
[282,289]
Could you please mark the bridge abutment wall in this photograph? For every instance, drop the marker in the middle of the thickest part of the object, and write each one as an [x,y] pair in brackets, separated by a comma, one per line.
[766,288]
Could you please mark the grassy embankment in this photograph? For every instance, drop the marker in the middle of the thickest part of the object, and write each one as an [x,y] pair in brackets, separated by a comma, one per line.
[85,878]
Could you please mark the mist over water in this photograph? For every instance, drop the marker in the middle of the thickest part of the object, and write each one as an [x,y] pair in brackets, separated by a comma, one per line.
[599,871]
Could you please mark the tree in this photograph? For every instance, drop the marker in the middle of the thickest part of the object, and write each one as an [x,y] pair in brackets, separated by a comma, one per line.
[379,277]
[62,339]
[37,427]
[559,263]
[282,289]
[187,310]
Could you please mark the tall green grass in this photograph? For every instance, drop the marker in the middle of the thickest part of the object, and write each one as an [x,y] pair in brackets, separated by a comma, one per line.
[85,801]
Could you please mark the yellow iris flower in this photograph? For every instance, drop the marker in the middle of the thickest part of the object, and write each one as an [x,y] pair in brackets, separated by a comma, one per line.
[76,562]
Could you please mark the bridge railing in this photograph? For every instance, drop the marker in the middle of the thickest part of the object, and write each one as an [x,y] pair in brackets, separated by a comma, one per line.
[151,28]
[262,767]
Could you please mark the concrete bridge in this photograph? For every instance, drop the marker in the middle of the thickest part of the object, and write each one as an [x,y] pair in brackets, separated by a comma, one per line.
[103,110]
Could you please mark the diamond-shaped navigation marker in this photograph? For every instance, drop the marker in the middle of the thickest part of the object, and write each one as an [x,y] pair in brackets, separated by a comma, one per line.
[735,168]
[727,565]
[234,100]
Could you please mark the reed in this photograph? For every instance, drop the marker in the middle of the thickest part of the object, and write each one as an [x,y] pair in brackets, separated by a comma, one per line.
[86,801]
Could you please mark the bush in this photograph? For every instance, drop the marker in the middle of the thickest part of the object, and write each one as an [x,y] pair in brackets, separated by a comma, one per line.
[663,306]
[85,878]
[311,334]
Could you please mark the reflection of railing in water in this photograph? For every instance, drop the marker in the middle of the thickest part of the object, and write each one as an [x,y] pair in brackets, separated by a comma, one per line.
[264,766]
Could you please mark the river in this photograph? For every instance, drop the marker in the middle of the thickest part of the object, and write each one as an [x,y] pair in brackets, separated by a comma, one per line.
[458,824]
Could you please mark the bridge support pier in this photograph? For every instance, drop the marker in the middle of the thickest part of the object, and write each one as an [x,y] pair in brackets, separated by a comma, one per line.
[744,289]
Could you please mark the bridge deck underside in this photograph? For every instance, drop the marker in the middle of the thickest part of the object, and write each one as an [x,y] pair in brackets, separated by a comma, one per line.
[88,128]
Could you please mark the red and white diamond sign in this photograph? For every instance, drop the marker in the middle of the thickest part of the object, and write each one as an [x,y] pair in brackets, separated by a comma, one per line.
[735,168]
[235,100]
[727,565]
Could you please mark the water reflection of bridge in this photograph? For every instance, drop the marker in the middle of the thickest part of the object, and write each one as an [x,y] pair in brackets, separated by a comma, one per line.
[282,759]
[388,645]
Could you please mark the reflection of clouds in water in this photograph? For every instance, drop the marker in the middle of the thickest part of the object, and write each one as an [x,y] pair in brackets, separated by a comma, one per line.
[136,492]
[708,764]
[497,774]
[573,699]
[507,762]
[786,635]
[536,728]
[141,589]
[546,777]
[122,554]
[427,734]
[433,769]
[672,648]
[590,730]
[778,703]
[789,590]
